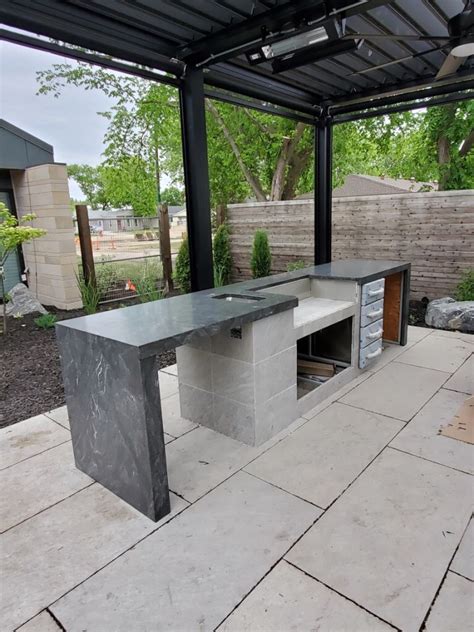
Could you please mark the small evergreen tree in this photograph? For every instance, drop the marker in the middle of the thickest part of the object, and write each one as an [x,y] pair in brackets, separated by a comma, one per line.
[222,256]
[182,274]
[261,260]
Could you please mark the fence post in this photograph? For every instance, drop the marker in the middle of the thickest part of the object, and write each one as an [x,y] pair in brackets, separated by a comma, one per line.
[87,255]
[165,247]
[221,214]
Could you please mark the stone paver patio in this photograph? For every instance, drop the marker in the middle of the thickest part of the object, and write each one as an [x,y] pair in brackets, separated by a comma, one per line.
[356,518]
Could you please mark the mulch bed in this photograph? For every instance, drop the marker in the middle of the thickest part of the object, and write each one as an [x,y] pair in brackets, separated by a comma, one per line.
[417,313]
[30,371]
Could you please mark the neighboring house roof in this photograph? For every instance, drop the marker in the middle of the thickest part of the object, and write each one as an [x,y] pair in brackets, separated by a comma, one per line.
[358,185]
[113,213]
[123,213]
[20,150]
[181,212]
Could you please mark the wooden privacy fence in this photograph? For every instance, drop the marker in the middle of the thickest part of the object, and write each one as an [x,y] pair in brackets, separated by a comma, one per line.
[434,231]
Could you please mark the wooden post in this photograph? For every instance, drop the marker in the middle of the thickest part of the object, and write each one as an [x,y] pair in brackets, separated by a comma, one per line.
[86,244]
[221,214]
[165,247]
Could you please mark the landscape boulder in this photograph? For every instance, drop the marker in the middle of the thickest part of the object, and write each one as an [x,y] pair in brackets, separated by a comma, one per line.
[446,313]
[23,302]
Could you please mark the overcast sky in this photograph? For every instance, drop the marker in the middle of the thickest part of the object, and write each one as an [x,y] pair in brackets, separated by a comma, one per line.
[69,123]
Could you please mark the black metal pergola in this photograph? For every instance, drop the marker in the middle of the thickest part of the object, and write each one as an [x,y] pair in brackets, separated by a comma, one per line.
[366,58]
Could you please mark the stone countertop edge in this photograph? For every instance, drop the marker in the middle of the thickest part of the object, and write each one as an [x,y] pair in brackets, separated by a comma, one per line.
[158,326]
[127,325]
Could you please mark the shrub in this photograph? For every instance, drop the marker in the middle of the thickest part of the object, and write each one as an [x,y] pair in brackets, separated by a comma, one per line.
[295,265]
[261,260]
[182,274]
[222,256]
[46,321]
[89,293]
[465,287]
[146,285]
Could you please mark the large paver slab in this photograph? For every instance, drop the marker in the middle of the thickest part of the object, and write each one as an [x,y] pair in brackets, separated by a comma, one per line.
[320,459]
[421,436]
[60,416]
[463,380]
[463,562]
[173,423]
[453,610]
[437,352]
[415,334]
[398,390]
[387,541]
[202,459]
[47,555]
[337,395]
[33,485]
[43,622]
[191,573]
[168,384]
[29,437]
[287,599]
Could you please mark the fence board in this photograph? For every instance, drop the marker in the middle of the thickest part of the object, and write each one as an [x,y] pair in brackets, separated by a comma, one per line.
[434,231]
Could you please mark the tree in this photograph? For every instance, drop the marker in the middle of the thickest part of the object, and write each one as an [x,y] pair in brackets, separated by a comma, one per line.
[261,260]
[449,135]
[222,257]
[172,196]
[13,233]
[91,184]
[142,137]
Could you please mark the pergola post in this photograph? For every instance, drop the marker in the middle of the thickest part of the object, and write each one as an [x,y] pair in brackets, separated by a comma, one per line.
[196,178]
[322,190]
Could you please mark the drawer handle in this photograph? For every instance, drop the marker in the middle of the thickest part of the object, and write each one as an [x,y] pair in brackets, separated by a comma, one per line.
[376,292]
[376,314]
[375,334]
[374,354]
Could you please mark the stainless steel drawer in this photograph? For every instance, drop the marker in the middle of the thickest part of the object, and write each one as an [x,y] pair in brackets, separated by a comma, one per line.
[370,313]
[371,333]
[372,292]
[370,353]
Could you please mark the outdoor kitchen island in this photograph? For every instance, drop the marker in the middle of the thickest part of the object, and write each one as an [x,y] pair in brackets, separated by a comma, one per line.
[252,357]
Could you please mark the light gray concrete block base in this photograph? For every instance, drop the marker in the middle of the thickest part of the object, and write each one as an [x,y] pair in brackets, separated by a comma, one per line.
[242,383]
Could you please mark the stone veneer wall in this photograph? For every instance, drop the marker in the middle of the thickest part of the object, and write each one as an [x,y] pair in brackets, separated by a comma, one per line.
[51,260]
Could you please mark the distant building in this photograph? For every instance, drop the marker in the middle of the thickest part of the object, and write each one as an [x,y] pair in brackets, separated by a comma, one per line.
[123,219]
[358,185]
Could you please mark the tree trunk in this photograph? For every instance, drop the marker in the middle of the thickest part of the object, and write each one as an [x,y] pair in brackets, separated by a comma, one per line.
[296,167]
[287,152]
[248,175]
[444,157]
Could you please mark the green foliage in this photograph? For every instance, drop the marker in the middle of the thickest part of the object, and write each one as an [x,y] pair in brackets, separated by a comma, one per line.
[46,321]
[182,273]
[172,196]
[146,284]
[90,294]
[295,265]
[465,288]
[13,233]
[261,259]
[90,181]
[222,256]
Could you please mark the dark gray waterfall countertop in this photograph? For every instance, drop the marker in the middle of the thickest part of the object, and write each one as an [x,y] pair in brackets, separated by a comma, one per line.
[161,325]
